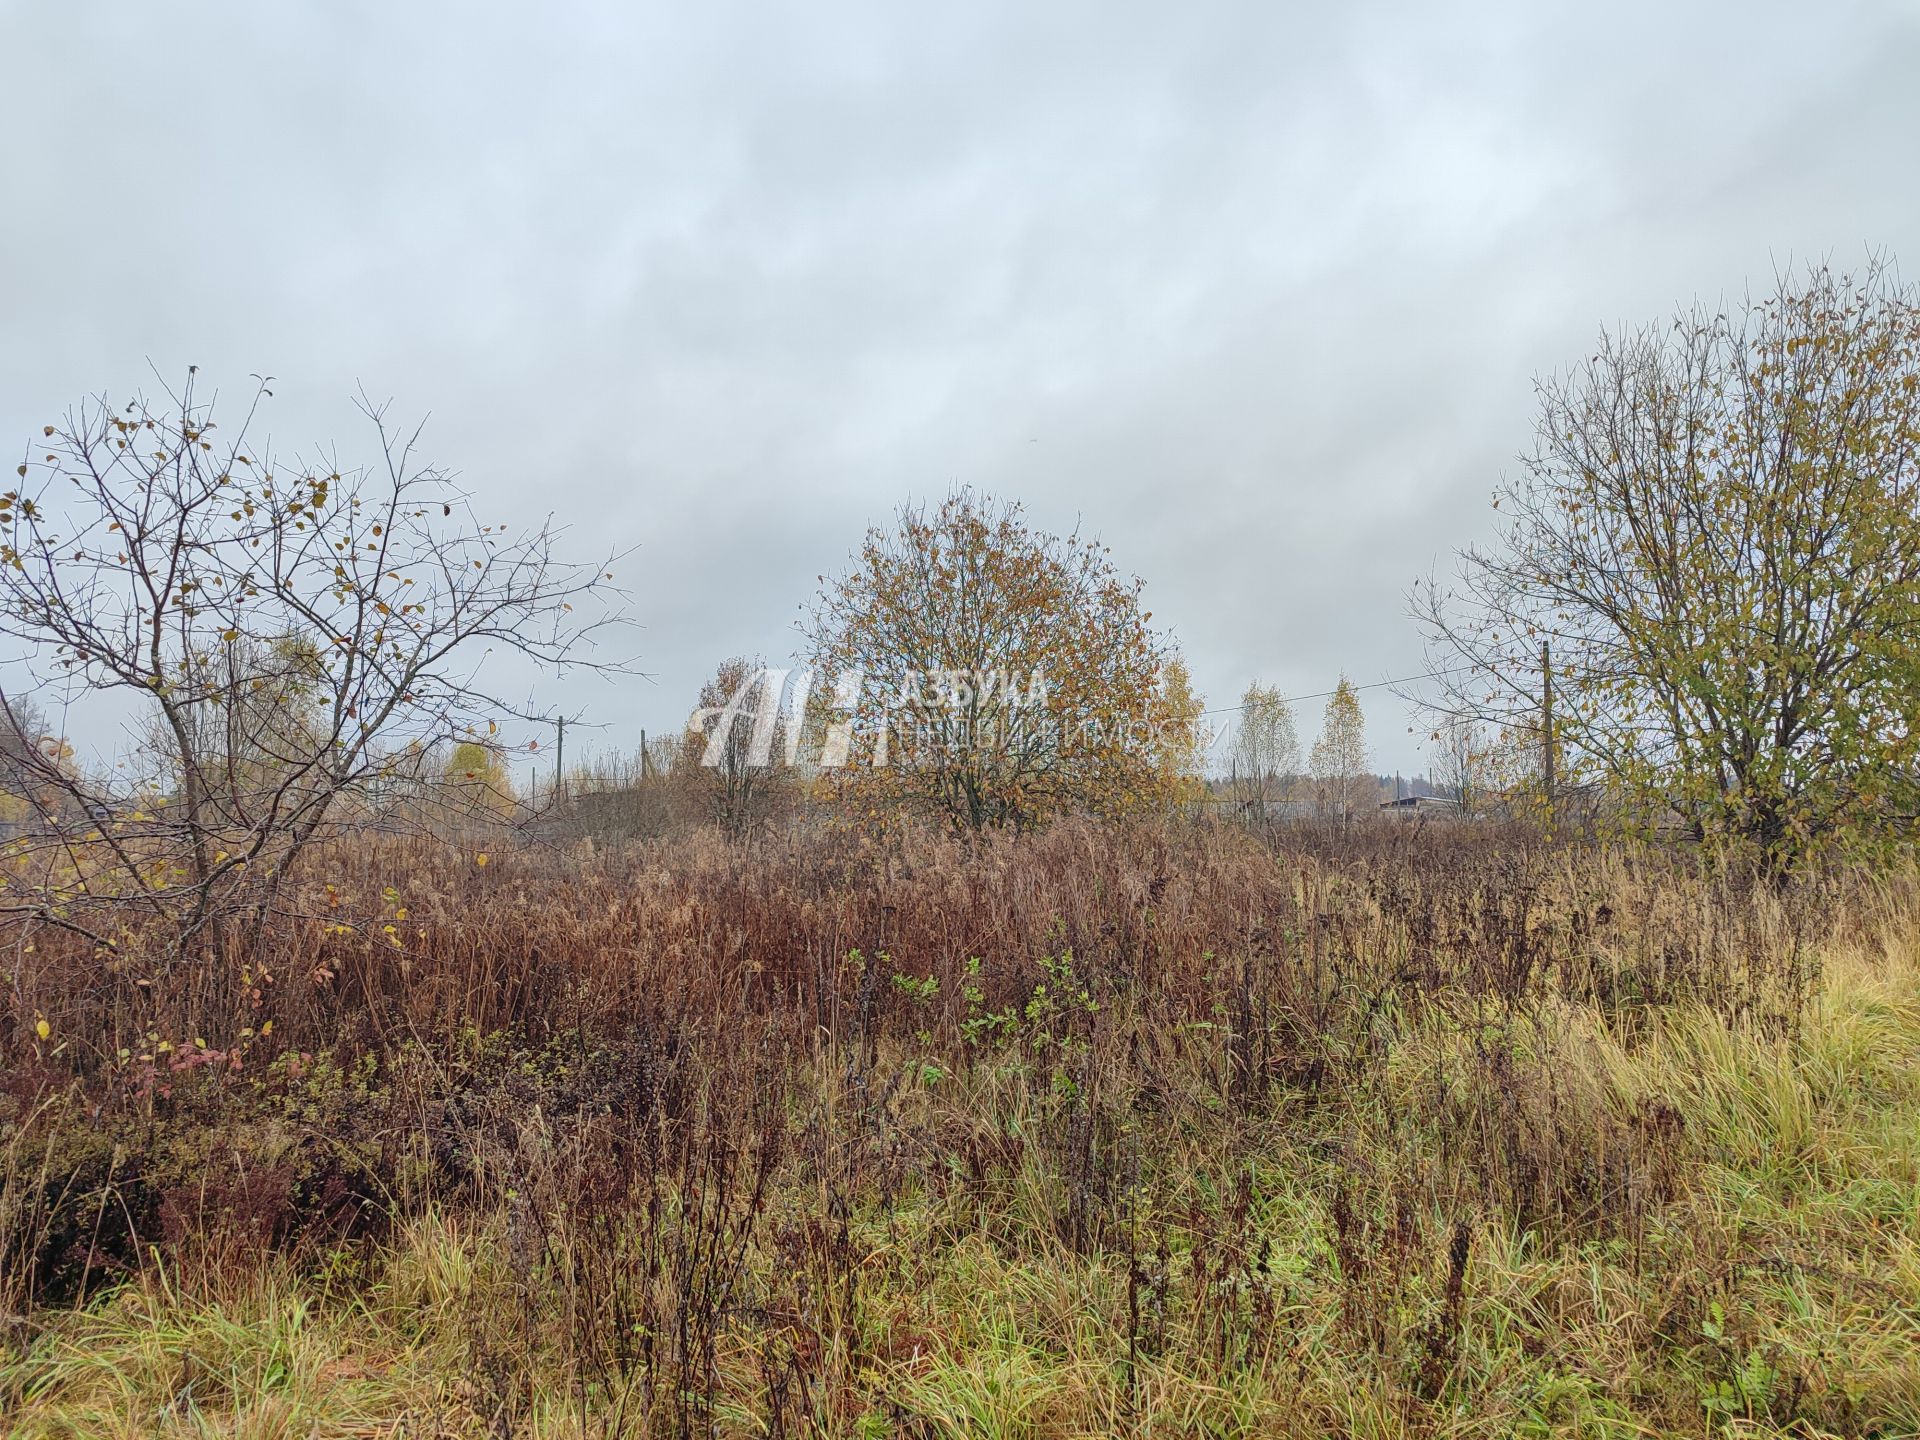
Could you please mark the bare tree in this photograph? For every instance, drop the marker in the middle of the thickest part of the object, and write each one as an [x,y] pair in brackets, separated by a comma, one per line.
[302,634]
[1461,763]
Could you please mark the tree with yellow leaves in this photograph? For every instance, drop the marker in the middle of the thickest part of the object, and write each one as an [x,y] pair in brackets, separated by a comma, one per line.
[1343,786]
[1705,594]
[1178,739]
[36,765]
[988,672]
[477,781]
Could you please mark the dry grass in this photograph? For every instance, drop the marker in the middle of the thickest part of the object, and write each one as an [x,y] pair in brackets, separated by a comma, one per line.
[1152,1131]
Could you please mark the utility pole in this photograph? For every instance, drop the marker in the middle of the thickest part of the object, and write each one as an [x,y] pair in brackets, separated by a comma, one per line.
[560,724]
[643,755]
[1546,724]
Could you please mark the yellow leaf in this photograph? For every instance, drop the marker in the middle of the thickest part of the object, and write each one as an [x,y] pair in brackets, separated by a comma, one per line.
[42,1029]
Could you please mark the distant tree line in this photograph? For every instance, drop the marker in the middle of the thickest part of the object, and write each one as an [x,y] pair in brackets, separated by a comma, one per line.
[1700,616]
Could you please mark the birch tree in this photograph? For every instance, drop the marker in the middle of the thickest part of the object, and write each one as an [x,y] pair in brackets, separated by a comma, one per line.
[1265,752]
[1341,778]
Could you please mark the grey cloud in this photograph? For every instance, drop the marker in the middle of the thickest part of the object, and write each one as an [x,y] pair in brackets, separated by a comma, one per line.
[1255,292]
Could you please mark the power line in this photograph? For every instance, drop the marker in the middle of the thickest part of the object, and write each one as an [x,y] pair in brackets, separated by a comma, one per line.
[1374,685]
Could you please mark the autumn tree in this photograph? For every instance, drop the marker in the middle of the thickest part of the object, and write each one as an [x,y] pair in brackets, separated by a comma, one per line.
[255,731]
[30,749]
[735,766]
[476,781]
[1343,784]
[301,632]
[1265,751]
[988,672]
[1703,593]
[1178,740]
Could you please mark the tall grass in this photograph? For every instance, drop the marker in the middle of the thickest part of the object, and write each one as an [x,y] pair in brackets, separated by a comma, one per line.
[1158,1130]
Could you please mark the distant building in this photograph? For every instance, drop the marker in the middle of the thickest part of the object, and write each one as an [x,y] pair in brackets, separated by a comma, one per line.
[1411,806]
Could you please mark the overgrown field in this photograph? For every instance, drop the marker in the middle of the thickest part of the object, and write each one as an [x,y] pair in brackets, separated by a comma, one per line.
[1159,1131]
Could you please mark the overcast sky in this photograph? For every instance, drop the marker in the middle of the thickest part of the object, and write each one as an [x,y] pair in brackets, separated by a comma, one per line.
[1255,292]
